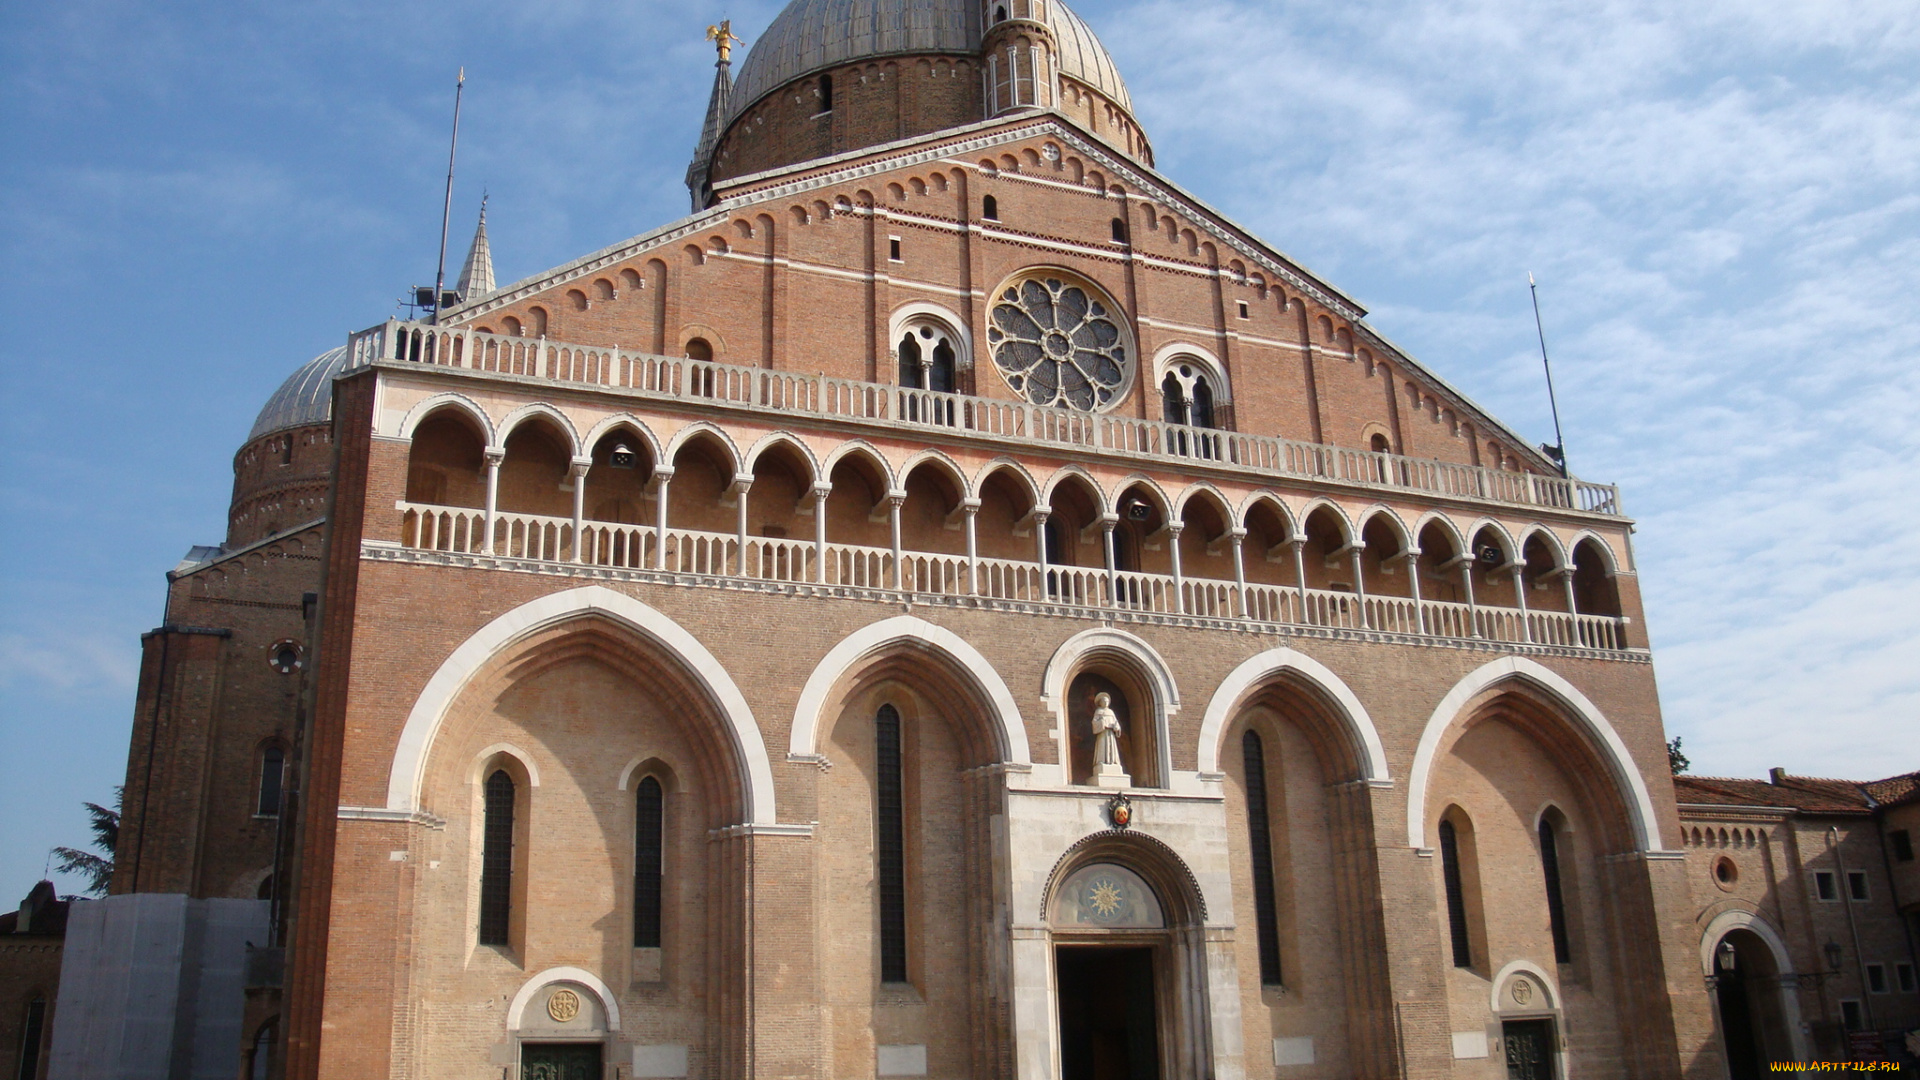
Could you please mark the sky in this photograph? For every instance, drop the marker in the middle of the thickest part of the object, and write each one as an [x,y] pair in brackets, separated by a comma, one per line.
[1720,199]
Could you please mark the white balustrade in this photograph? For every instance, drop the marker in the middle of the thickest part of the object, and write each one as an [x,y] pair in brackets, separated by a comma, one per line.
[690,551]
[759,389]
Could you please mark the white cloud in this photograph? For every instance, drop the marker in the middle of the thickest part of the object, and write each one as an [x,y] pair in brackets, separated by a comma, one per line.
[1718,202]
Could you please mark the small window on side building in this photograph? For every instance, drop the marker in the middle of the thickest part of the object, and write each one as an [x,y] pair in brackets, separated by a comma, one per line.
[1823,886]
[1877,978]
[1857,885]
[1120,235]
[1902,843]
[893,248]
[826,93]
[1245,313]
[1903,974]
[1850,1015]
[990,208]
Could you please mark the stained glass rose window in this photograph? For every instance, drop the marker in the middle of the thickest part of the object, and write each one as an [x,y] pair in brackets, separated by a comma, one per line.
[1058,345]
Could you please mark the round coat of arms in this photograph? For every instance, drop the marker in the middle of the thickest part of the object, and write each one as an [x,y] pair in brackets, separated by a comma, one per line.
[1522,991]
[1120,811]
[563,1006]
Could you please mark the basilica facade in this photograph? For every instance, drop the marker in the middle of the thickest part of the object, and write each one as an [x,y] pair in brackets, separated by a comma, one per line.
[689,661]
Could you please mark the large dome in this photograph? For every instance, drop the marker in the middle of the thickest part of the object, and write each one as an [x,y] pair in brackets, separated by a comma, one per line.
[810,35]
[306,397]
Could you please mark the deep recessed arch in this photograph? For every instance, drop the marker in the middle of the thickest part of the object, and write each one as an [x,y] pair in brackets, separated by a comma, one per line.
[1263,669]
[1574,706]
[459,403]
[408,771]
[868,642]
[539,410]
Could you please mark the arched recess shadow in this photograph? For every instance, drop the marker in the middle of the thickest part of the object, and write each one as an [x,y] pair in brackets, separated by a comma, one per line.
[945,649]
[700,666]
[1363,751]
[1571,706]
[1133,655]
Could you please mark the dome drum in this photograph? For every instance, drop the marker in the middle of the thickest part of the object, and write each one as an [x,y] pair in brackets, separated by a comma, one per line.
[831,76]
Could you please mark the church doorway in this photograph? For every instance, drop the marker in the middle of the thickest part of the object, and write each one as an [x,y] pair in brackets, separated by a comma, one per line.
[1530,1048]
[560,1061]
[1109,1024]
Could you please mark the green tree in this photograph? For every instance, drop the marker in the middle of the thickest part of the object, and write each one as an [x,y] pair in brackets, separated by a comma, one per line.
[1677,762]
[97,869]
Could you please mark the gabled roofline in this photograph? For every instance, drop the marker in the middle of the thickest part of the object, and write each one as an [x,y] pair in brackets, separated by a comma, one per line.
[787,181]
[186,569]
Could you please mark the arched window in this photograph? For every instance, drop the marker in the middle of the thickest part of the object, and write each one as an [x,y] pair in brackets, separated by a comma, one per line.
[927,355]
[1119,230]
[1186,396]
[273,764]
[262,1053]
[891,833]
[265,891]
[1556,904]
[32,1034]
[1456,895]
[826,93]
[1260,843]
[648,820]
[699,349]
[496,860]
[990,208]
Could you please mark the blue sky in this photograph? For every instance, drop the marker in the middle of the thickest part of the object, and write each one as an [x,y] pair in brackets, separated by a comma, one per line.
[1720,199]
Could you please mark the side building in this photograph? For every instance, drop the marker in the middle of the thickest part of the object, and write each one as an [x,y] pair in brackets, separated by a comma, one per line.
[1807,893]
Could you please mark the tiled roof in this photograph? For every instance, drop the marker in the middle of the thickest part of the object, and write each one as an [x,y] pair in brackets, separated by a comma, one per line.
[1894,790]
[1812,794]
[1806,793]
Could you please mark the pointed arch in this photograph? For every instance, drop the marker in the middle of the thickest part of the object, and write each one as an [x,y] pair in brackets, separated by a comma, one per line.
[1550,539]
[1022,478]
[1067,474]
[700,430]
[1609,560]
[1202,489]
[408,771]
[459,403]
[1584,716]
[940,463]
[868,641]
[787,440]
[1272,499]
[1348,534]
[1161,500]
[1437,519]
[627,422]
[1508,546]
[543,411]
[1393,523]
[860,448]
[1260,670]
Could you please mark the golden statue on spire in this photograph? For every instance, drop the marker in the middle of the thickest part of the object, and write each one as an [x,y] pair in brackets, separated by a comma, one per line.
[723,39]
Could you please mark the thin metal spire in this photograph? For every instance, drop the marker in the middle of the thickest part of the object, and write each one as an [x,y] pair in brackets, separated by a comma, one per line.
[1558,451]
[446,212]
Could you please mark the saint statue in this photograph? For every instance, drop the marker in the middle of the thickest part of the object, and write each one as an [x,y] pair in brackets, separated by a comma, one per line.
[1106,733]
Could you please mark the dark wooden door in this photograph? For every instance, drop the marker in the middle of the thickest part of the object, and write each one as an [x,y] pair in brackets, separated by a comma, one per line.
[560,1061]
[1109,1029]
[1529,1049]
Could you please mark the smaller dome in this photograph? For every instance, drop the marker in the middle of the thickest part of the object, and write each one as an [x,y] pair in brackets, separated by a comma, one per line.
[306,397]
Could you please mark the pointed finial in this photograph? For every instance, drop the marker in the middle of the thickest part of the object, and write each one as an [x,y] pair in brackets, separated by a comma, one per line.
[723,39]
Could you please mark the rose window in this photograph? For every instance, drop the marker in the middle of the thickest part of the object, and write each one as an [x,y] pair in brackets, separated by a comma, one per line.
[1058,345]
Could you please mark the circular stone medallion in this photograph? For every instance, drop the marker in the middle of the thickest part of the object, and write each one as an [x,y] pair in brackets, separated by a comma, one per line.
[563,1006]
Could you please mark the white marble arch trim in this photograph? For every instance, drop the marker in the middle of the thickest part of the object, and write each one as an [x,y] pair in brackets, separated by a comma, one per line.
[1729,921]
[430,709]
[1066,660]
[516,1011]
[1226,699]
[1516,967]
[1586,716]
[870,639]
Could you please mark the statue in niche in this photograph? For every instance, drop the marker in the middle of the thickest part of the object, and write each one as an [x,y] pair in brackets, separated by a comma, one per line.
[1107,770]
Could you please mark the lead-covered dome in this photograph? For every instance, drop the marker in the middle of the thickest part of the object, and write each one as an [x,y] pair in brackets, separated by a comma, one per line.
[306,397]
[814,35]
